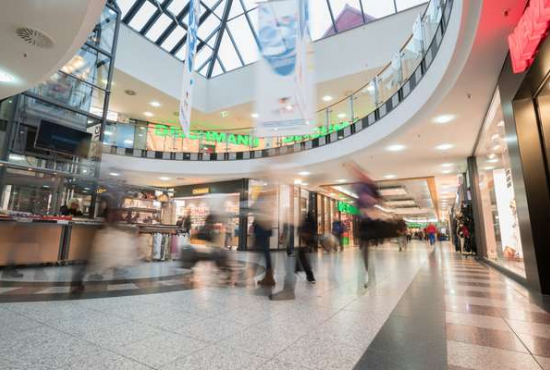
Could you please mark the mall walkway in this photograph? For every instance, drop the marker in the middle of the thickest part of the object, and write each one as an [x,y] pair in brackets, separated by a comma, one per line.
[425,311]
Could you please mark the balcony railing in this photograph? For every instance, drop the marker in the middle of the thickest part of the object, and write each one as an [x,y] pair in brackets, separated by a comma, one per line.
[356,112]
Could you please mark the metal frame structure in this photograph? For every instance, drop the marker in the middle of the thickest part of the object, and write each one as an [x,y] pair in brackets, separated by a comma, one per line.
[210,8]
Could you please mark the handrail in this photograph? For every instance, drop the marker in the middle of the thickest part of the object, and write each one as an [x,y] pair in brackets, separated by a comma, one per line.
[380,102]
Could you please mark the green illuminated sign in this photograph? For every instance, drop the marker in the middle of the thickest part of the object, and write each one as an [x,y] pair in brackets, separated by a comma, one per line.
[237,139]
[347,208]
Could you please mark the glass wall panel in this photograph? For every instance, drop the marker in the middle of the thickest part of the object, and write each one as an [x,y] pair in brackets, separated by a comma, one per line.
[498,204]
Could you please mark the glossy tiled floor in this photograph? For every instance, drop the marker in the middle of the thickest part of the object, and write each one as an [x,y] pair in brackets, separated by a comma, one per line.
[424,310]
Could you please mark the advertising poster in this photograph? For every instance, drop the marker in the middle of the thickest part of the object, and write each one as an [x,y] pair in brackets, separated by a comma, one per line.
[285,73]
[188,81]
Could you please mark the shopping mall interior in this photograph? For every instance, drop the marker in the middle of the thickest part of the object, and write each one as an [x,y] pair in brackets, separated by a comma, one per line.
[275,184]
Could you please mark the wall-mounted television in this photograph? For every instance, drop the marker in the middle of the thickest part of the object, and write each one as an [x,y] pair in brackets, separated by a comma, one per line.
[63,139]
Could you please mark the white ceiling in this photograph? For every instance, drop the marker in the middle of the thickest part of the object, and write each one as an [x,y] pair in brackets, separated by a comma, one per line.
[67,23]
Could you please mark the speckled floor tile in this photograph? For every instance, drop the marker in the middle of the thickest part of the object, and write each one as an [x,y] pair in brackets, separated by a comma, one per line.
[480,321]
[211,330]
[531,328]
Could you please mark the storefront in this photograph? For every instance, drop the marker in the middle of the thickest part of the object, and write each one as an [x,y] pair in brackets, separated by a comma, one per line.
[512,200]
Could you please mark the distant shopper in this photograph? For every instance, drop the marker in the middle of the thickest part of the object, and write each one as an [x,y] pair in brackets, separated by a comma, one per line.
[307,235]
[431,230]
[338,230]
[402,232]
[72,210]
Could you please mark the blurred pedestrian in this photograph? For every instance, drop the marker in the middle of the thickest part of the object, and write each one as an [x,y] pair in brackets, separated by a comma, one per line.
[307,234]
[431,230]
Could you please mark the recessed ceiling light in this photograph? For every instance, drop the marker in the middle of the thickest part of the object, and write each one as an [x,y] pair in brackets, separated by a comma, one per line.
[447,164]
[444,118]
[304,173]
[6,77]
[164,178]
[155,104]
[341,181]
[497,148]
[446,172]
[130,92]
[341,115]
[395,148]
[90,121]
[327,98]
[84,171]
[16,157]
[297,182]
[500,123]
[255,115]
[369,88]
[114,174]
[492,160]
[305,184]
[289,107]
[444,146]
[491,156]
[489,168]
[390,177]
[148,114]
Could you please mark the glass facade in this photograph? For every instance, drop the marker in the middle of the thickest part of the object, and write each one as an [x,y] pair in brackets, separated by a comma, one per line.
[235,23]
[498,205]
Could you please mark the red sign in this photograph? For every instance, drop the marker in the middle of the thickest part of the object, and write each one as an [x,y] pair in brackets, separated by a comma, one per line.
[528,34]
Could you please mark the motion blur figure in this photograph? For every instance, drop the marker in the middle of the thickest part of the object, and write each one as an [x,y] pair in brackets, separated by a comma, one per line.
[367,198]
[294,264]
[263,231]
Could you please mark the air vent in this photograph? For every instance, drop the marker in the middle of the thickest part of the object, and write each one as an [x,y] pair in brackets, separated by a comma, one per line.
[130,92]
[35,37]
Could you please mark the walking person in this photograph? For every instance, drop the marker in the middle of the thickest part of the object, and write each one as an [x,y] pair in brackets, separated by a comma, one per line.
[307,235]
[263,230]
[402,238]
[338,230]
[431,230]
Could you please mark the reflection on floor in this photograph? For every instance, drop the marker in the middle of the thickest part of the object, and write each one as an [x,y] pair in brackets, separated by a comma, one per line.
[488,321]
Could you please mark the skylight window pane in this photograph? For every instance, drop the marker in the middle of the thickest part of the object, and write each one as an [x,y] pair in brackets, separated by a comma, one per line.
[125,5]
[176,6]
[321,23]
[347,14]
[378,8]
[208,26]
[236,9]
[203,56]
[227,54]
[210,3]
[406,4]
[249,4]
[159,27]
[142,16]
[176,35]
[217,70]
[242,34]
[181,53]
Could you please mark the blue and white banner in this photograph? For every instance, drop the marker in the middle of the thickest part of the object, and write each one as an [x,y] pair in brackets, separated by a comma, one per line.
[285,78]
[188,82]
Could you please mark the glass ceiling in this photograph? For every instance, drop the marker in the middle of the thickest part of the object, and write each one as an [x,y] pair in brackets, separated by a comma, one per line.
[228,28]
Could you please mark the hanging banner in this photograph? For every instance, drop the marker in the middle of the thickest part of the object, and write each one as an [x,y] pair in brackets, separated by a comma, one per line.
[285,80]
[188,81]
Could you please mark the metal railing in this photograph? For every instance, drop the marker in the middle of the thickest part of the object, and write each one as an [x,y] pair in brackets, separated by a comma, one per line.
[346,117]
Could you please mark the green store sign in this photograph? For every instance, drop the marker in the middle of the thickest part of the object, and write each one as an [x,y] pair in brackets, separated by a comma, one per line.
[238,139]
[347,208]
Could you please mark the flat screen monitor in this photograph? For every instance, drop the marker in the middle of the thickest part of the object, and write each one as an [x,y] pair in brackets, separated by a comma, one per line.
[63,139]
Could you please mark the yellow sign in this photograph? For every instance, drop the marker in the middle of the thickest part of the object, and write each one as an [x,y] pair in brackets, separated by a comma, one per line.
[200,191]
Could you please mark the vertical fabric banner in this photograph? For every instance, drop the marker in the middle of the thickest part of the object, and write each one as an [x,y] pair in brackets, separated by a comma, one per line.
[188,82]
[285,98]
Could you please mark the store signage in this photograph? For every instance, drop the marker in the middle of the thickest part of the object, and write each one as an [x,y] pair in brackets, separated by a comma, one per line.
[200,191]
[528,34]
[347,208]
[237,139]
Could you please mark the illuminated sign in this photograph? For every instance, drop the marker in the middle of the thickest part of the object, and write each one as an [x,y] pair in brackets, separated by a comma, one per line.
[347,208]
[200,191]
[237,139]
[528,34]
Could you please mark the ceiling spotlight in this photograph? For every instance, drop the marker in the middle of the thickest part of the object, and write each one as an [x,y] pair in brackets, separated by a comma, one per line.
[489,168]
[255,115]
[327,98]
[148,114]
[341,115]
[130,92]
[390,177]
[155,104]
[444,118]
[447,165]
[6,77]
[492,156]
[164,178]
[114,174]
[304,173]
[446,172]
[492,160]
[341,181]
[297,182]
[500,123]
[305,184]
[444,146]
[289,107]
[395,148]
